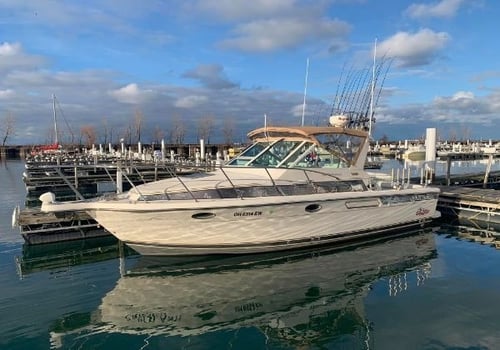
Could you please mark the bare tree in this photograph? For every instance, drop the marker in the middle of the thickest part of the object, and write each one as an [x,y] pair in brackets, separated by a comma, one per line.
[452,135]
[178,130]
[205,128]
[7,129]
[138,119]
[384,139]
[228,130]
[88,134]
[158,134]
[127,135]
[107,132]
[170,136]
[466,133]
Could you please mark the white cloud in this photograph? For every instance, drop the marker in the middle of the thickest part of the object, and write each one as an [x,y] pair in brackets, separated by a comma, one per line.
[271,34]
[460,95]
[244,9]
[413,49]
[191,101]
[128,94]
[7,49]
[5,94]
[13,57]
[442,9]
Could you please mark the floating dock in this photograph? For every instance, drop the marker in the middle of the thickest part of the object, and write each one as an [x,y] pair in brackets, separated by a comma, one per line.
[81,181]
[71,182]
[37,227]
[469,203]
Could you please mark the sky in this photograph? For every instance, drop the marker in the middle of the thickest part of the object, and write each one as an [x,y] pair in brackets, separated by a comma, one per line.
[229,66]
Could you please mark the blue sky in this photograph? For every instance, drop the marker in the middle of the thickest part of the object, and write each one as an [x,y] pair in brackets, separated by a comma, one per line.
[171,64]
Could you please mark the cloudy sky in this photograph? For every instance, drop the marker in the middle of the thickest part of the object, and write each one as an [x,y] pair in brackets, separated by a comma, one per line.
[230,62]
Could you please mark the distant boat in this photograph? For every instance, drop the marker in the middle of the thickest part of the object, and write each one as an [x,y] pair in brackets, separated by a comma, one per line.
[55,146]
[415,152]
[339,120]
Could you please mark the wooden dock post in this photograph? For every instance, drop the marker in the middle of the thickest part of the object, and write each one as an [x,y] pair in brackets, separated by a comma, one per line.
[487,172]
[448,171]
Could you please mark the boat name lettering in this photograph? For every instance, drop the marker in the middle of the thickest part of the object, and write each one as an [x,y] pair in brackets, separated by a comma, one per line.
[422,211]
[152,317]
[248,213]
[253,306]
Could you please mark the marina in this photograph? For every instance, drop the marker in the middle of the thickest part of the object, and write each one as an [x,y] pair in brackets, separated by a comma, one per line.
[84,180]
[68,294]
[70,180]
[292,188]
[189,188]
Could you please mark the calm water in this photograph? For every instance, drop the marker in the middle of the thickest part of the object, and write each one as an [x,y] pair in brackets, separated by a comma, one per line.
[424,290]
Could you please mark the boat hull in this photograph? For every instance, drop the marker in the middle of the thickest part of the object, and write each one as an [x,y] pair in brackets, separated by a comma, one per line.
[249,226]
[183,250]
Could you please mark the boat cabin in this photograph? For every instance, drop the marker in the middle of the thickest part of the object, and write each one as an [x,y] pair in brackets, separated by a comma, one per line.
[304,147]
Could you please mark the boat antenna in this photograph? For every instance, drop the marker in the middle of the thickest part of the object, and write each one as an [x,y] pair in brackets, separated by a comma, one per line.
[56,140]
[372,90]
[265,126]
[305,92]
[336,97]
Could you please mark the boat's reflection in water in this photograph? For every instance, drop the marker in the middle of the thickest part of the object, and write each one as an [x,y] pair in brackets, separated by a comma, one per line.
[294,298]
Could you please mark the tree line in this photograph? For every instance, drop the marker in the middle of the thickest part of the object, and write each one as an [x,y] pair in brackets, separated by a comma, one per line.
[137,130]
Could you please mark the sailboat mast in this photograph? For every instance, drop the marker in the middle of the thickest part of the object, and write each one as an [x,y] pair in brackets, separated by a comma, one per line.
[55,119]
[305,93]
[372,93]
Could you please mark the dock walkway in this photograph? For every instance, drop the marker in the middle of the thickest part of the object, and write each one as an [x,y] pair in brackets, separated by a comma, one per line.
[476,204]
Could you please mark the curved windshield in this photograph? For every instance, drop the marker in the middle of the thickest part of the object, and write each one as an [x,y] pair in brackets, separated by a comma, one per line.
[337,151]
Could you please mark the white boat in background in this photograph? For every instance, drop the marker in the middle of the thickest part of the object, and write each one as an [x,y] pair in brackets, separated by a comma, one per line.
[414,152]
[339,120]
[293,187]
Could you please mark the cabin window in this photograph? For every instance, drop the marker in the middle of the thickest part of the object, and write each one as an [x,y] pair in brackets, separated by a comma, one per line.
[203,215]
[313,208]
[364,203]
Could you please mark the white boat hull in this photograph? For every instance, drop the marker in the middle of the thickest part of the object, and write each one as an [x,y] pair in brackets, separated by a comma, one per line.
[249,226]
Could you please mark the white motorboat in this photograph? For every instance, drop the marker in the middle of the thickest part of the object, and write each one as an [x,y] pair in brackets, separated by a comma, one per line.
[293,187]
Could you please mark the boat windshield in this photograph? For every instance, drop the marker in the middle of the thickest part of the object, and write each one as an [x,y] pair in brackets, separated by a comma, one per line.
[332,150]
